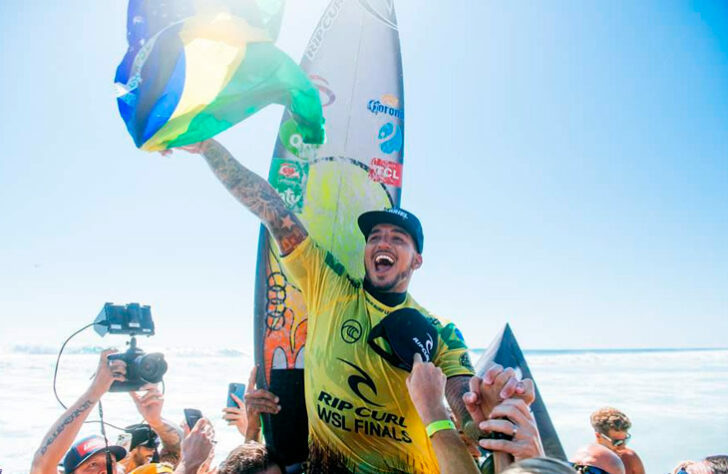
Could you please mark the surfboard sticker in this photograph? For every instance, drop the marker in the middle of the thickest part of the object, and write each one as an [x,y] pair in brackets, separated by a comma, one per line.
[504,350]
[353,58]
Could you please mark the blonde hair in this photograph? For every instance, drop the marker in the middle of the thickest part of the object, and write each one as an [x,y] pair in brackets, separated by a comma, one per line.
[609,418]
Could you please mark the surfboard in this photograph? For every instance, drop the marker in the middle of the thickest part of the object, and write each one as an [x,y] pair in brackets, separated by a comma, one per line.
[354,59]
[504,350]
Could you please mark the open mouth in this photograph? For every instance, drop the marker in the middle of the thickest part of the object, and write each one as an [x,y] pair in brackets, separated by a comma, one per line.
[383,262]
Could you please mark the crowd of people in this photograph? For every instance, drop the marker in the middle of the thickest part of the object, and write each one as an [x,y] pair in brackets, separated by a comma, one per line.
[397,394]
[160,446]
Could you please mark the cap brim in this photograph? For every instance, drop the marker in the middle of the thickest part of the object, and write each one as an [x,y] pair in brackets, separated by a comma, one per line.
[369,219]
[118,452]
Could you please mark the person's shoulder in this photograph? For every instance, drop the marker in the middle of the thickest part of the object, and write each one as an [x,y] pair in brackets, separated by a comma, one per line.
[631,461]
[628,453]
[450,334]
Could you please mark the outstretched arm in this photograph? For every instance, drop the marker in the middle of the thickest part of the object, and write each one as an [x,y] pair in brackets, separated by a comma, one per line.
[61,435]
[254,193]
[426,387]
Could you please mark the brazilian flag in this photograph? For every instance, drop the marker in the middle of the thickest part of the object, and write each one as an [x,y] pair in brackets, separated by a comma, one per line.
[197,67]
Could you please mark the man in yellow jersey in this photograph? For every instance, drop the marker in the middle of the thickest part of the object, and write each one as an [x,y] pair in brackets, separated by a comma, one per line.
[359,411]
[357,400]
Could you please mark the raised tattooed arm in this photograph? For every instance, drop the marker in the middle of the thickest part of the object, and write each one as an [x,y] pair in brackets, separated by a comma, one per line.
[256,194]
[61,435]
[150,406]
[171,437]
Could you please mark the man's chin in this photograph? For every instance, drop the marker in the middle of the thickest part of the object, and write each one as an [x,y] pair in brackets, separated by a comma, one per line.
[381,285]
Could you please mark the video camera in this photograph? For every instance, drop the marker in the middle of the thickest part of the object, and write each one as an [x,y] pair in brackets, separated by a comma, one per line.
[132,319]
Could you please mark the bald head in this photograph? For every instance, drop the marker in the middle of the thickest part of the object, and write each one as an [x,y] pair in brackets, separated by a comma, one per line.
[599,456]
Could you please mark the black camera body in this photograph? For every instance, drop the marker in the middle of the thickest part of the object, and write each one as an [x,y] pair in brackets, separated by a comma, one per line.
[141,368]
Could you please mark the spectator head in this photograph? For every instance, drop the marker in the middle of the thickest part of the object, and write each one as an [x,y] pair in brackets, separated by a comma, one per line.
[88,456]
[539,466]
[143,447]
[718,463]
[251,458]
[692,467]
[611,427]
[598,456]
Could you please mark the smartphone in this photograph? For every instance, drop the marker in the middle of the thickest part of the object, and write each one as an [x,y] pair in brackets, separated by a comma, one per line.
[124,440]
[191,416]
[239,390]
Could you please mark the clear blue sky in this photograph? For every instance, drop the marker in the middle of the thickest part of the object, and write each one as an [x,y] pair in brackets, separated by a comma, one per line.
[569,161]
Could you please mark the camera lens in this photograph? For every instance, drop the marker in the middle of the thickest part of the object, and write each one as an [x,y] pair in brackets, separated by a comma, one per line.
[151,367]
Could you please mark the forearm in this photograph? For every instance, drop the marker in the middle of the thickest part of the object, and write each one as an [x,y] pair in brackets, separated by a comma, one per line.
[452,455]
[61,435]
[252,435]
[171,437]
[257,195]
[455,388]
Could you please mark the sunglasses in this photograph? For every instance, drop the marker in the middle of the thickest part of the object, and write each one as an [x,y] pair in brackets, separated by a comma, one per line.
[587,469]
[616,442]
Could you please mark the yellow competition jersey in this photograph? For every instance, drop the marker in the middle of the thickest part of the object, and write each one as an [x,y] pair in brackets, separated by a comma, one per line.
[357,403]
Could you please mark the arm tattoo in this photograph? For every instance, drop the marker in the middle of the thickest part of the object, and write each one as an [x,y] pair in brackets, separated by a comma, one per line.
[257,195]
[65,422]
[455,388]
[171,442]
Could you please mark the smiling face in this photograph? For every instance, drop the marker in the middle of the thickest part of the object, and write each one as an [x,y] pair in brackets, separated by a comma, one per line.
[390,257]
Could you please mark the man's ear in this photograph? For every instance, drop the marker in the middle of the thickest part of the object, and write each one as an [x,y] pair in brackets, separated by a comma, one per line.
[417,261]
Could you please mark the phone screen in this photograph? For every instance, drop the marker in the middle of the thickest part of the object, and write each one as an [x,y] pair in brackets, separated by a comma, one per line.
[192,415]
[239,390]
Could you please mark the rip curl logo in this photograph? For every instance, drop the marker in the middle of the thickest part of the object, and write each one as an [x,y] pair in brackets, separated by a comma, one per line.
[356,381]
[351,331]
[426,348]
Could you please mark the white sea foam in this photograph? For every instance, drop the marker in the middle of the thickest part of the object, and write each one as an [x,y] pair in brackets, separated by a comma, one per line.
[677,400]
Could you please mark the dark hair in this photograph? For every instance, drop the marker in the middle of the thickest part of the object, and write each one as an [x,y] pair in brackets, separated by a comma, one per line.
[250,458]
[718,463]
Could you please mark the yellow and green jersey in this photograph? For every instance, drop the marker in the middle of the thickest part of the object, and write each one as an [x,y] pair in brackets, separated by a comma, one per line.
[357,402]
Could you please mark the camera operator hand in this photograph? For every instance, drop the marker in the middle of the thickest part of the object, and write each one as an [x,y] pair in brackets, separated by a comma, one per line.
[61,435]
[107,373]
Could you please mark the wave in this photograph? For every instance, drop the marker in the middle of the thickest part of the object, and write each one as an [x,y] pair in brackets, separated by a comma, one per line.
[34,349]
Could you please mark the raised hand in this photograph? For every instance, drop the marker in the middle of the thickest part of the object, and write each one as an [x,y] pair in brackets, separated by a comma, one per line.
[150,404]
[257,401]
[426,386]
[513,418]
[107,373]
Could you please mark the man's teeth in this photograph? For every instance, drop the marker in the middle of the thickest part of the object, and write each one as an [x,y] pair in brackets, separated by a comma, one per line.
[384,259]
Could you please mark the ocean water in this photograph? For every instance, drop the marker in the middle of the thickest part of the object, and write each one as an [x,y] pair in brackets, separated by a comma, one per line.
[677,399]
